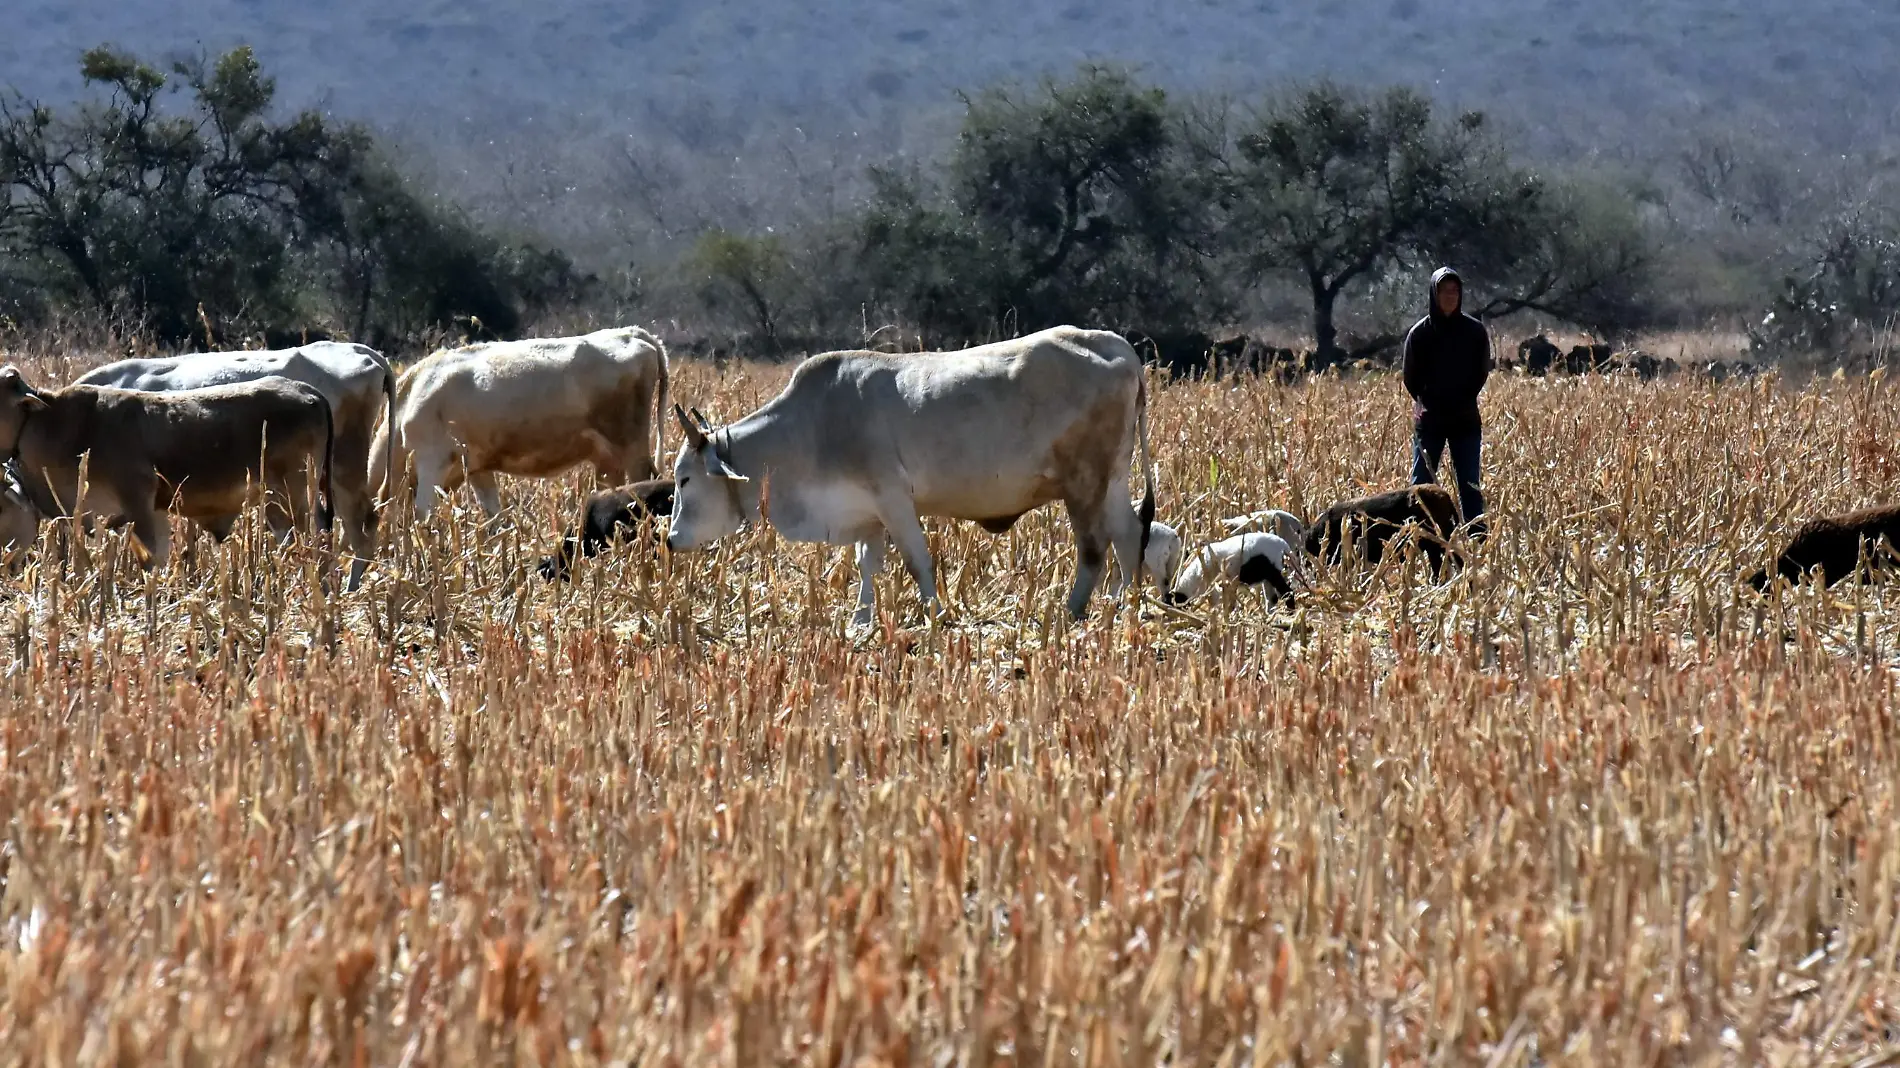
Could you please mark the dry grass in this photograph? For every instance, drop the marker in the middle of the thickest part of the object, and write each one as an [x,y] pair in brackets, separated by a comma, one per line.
[1587,803]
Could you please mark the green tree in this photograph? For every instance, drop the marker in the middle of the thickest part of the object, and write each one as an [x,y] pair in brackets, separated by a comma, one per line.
[1580,253]
[1073,203]
[1340,187]
[925,259]
[129,208]
[398,263]
[756,270]
[1845,288]
[217,212]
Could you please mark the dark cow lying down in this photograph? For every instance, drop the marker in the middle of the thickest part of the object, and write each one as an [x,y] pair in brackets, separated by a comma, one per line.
[1373,521]
[196,450]
[1833,544]
[610,515]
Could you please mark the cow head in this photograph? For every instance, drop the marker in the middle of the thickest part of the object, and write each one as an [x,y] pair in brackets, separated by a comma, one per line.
[1163,558]
[1288,526]
[706,490]
[19,520]
[17,401]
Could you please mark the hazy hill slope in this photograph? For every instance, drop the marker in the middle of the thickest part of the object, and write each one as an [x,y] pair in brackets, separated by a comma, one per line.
[703,69]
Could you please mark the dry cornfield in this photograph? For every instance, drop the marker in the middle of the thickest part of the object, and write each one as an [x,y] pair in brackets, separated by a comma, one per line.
[1588,802]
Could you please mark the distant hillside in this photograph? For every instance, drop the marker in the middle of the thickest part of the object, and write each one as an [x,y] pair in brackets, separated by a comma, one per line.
[705,70]
[620,130]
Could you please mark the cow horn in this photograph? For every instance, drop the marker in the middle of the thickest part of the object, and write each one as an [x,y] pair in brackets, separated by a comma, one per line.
[704,423]
[694,435]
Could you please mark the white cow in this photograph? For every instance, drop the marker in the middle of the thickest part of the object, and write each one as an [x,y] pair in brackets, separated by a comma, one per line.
[1163,556]
[1252,559]
[860,444]
[355,379]
[533,408]
[1274,521]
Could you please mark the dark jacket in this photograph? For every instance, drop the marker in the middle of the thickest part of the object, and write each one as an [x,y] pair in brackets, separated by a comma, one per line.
[1447,359]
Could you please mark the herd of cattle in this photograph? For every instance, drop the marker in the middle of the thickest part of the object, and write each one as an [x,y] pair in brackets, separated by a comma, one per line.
[1197,355]
[855,450]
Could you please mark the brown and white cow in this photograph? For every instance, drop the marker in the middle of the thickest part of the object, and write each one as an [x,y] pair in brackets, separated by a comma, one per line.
[860,444]
[1369,523]
[355,379]
[1837,545]
[609,516]
[197,450]
[533,408]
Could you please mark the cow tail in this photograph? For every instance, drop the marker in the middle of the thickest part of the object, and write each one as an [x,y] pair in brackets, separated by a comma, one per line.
[659,414]
[1147,513]
[326,514]
[389,425]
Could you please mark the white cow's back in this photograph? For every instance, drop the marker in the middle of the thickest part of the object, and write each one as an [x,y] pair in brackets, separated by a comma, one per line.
[986,431]
[337,369]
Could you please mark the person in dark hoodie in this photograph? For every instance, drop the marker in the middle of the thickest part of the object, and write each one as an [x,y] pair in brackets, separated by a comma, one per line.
[1447,358]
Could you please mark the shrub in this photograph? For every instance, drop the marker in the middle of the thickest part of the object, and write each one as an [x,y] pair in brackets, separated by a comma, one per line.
[1074,203]
[1846,288]
[216,220]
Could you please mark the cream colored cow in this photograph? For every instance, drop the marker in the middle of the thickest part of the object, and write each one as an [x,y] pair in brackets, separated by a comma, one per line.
[533,408]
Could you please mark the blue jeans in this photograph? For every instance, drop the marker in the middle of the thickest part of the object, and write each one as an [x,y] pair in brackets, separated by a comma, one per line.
[1428,444]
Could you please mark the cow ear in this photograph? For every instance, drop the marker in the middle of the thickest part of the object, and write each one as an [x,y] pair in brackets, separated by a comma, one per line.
[694,436]
[717,467]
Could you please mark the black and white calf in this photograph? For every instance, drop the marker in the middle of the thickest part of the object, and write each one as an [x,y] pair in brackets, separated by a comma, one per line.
[1252,559]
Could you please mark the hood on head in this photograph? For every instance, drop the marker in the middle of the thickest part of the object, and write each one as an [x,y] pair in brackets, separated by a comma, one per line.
[1431,291]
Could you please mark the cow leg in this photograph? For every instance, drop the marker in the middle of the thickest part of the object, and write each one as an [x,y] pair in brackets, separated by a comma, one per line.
[297,515]
[1124,531]
[352,498]
[612,466]
[487,494]
[870,566]
[153,529]
[1091,551]
[357,515]
[361,535]
[284,506]
[219,528]
[900,521]
[431,471]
